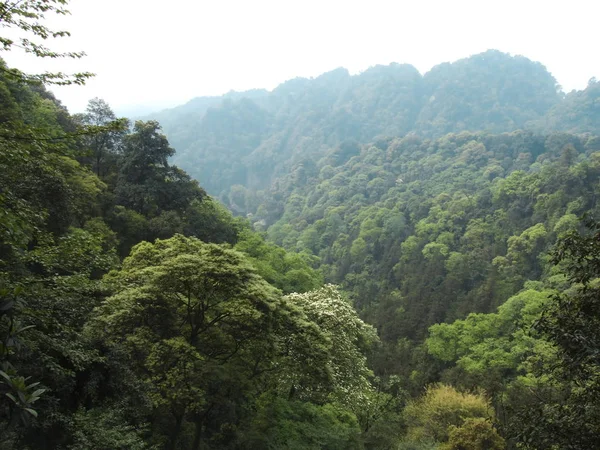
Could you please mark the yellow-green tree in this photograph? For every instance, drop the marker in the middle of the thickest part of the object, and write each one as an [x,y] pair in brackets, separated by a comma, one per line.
[433,416]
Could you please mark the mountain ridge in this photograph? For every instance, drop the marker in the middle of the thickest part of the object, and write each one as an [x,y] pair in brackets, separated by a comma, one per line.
[251,138]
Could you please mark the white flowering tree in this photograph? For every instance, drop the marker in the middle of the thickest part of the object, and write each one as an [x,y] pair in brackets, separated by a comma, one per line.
[342,374]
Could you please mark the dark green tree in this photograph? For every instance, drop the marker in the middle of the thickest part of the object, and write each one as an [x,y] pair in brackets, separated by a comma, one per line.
[569,416]
[105,146]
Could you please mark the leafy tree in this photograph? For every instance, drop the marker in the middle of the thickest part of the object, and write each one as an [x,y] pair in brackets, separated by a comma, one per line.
[289,272]
[210,221]
[208,335]
[104,146]
[27,17]
[281,423]
[200,325]
[492,348]
[442,409]
[147,183]
[474,434]
[348,338]
[570,322]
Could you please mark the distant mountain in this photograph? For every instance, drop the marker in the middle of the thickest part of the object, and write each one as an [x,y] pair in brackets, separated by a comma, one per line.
[491,92]
[579,112]
[251,138]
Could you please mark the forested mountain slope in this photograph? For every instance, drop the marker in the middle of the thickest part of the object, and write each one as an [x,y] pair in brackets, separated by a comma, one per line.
[136,312]
[447,206]
[251,138]
[421,232]
[424,231]
[579,112]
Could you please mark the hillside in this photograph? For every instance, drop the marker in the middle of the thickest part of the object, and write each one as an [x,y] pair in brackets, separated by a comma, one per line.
[418,267]
[251,138]
[425,226]
[448,247]
[435,202]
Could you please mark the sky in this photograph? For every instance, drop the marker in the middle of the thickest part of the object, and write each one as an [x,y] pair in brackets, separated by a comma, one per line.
[150,54]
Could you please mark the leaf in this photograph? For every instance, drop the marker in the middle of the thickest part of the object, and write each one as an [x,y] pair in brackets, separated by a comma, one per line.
[33,412]
[25,328]
[5,376]
[37,393]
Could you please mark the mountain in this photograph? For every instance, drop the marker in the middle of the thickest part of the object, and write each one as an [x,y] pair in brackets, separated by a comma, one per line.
[413,271]
[578,112]
[251,138]
[435,201]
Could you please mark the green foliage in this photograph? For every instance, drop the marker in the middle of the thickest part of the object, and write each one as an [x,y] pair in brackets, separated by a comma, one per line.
[203,335]
[105,429]
[104,147]
[21,395]
[568,417]
[433,416]
[209,335]
[347,337]
[147,184]
[474,434]
[281,423]
[27,17]
[492,347]
[287,271]
[449,235]
[489,91]
[192,315]
[577,113]
[210,221]
[63,226]
[247,140]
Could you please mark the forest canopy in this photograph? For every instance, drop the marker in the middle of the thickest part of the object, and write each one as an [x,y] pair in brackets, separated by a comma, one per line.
[390,261]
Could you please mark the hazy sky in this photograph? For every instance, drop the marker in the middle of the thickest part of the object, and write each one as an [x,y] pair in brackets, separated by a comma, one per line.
[162,53]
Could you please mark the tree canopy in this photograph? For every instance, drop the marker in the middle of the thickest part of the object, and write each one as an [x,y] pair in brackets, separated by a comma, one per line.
[394,261]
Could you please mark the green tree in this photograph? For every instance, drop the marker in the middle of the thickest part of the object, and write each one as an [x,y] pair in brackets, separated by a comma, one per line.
[433,416]
[27,18]
[104,146]
[147,183]
[282,423]
[195,316]
[474,434]
[347,340]
[569,418]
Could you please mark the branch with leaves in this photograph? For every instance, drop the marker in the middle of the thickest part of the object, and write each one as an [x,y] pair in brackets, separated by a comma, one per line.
[26,16]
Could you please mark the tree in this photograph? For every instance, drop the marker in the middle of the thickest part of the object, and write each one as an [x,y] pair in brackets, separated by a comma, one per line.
[289,272]
[195,320]
[145,175]
[568,416]
[474,434]
[433,416]
[291,424]
[347,339]
[27,16]
[104,146]
[491,348]
[145,152]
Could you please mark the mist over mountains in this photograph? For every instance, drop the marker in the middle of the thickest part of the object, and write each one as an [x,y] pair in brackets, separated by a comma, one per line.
[250,138]
[388,261]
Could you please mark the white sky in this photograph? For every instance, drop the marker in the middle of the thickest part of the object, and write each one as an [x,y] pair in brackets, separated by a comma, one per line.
[157,53]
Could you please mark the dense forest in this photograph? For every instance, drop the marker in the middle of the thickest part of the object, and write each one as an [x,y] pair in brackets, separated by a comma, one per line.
[388,261]
[246,140]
